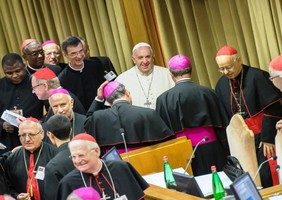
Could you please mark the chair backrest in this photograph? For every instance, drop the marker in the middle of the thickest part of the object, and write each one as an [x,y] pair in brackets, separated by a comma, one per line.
[147,160]
[242,145]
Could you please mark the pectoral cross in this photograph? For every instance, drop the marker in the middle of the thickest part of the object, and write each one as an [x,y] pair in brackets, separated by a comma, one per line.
[147,103]
[104,197]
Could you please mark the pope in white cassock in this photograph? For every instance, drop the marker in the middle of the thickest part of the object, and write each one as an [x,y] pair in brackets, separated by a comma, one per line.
[145,81]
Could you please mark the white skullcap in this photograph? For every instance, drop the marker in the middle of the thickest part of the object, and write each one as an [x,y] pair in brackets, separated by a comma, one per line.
[141,44]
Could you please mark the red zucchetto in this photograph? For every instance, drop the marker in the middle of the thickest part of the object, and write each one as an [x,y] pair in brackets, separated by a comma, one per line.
[276,63]
[44,74]
[27,42]
[32,119]
[84,136]
[226,51]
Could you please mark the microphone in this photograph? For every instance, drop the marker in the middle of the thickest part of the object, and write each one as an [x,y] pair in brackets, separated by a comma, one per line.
[271,158]
[278,169]
[121,130]
[206,138]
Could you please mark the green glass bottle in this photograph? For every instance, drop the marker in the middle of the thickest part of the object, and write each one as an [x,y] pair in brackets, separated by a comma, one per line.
[168,175]
[217,187]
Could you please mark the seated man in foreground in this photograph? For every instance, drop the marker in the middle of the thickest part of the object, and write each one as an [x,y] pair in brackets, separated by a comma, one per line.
[112,179]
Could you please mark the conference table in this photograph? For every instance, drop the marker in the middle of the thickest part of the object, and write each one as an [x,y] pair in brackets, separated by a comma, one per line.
[271,191]
[159,193]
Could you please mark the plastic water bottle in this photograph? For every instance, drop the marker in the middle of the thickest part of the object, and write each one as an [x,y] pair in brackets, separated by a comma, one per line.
[217,187]
[168,175]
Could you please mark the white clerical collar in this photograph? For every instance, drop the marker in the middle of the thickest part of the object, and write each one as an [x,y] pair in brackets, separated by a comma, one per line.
[99,169]
[32,67]
[79,70]
[143,74]
[183,80]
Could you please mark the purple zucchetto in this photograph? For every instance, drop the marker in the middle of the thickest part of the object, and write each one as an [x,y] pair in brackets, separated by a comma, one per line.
[60,91]
[109,88]
[179,62]
[49,42]
[87,193]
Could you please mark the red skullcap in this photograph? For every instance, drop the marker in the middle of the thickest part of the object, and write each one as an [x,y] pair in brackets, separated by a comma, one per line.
[49,42]
[45,74]
[87,193]
[60,91]
[32,119]
[84,136]
[27,42]
[109,88]
[179,62]
[276,63]
[226,51]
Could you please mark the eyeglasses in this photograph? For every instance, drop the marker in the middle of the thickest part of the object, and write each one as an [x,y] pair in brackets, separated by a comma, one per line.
[227,68]
[75,54]
[80,156]
[36,53]
[36,86]
[273,77]
[30,135]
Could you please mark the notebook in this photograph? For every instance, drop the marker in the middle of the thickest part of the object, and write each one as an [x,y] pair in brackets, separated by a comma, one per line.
[187,184]
[112,154]
[244,188]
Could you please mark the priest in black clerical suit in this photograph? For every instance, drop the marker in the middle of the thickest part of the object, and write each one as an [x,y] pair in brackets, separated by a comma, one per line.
[16,95]
[59,129]
[81,77]
[140,126]
[111,179]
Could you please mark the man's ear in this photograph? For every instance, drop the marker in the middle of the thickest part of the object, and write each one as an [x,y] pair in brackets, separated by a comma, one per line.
[24,56]
[133,60]
[50,135]
[171,75]
[127,93]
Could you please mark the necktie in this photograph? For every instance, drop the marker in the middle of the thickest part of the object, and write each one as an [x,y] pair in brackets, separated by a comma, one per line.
[32,184]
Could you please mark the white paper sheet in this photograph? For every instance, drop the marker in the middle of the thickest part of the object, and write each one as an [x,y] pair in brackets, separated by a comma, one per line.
[204,181]
[11,117]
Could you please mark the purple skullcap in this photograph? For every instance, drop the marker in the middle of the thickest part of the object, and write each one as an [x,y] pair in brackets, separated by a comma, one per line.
[179,62]
[109,88]
[60,91]
[87,193]
[49,42]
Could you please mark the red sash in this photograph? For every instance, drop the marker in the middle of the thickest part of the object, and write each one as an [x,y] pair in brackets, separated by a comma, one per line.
[32,185]
[255,123]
